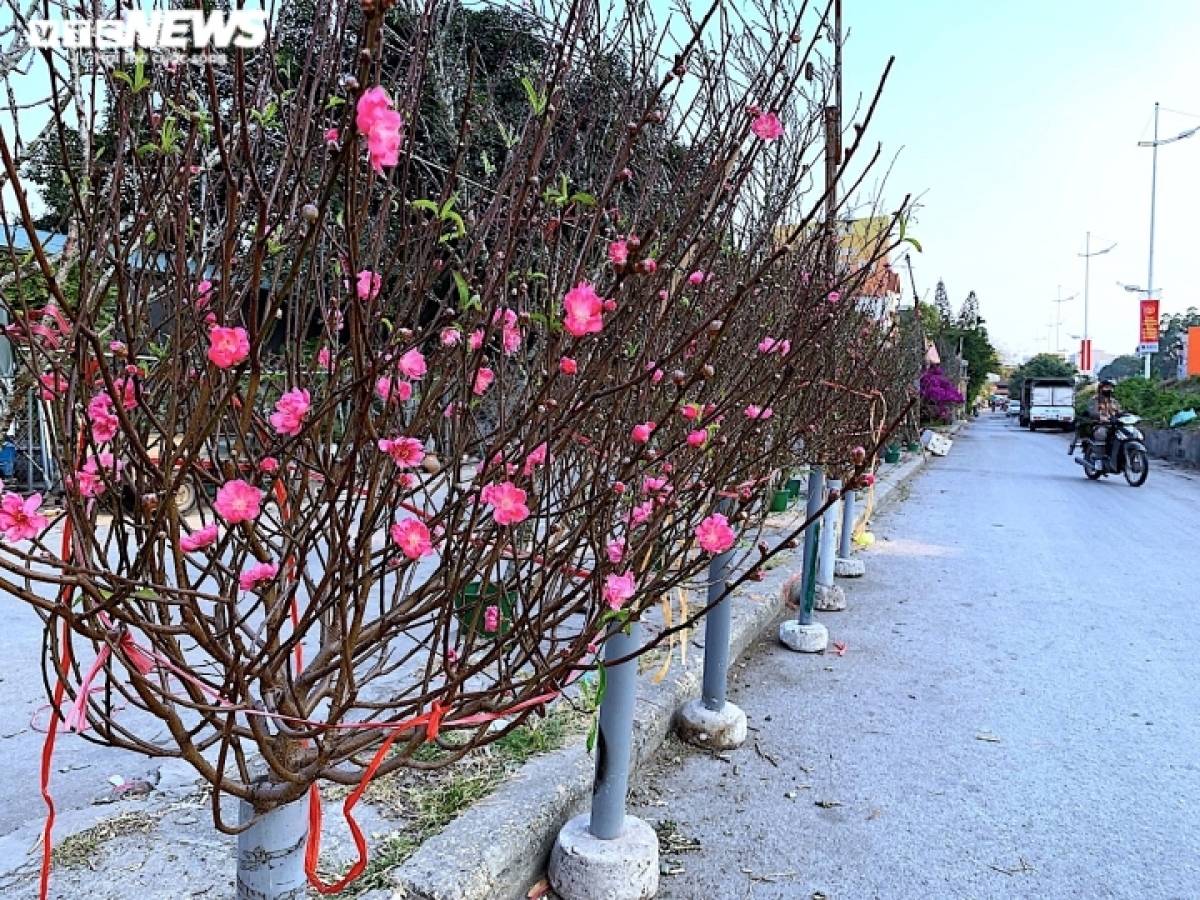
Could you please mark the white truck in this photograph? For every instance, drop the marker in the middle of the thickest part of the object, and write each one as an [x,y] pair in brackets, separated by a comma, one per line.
[1048,402]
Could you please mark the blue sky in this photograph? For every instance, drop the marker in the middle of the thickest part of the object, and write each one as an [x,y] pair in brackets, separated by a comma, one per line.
[1018,125]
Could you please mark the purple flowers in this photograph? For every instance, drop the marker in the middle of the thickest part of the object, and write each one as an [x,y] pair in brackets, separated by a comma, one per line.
[938,391]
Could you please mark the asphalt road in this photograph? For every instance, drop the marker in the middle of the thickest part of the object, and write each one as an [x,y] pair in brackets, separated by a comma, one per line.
[1017,713]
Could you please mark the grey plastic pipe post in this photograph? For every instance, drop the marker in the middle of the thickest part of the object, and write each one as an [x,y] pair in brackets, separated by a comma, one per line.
[716,629]
[828,538]
[808,583]
[615,734]
[270,862]
[848,499]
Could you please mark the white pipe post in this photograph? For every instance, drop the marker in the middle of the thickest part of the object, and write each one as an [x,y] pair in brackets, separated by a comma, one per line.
[830,597]
[270,862]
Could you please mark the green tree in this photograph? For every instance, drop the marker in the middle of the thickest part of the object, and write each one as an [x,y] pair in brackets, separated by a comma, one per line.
[1120,368]
[1044,365]
[941,301]
[968,316]
[1173,330]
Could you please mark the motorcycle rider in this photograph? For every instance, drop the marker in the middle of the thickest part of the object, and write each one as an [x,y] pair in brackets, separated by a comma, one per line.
[1102,410]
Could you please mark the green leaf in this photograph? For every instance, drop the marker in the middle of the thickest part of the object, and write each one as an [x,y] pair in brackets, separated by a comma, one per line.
[536,100]
[426,205]
[583,199]
[916,244]
[334,102]
[464,289]
[593,733]
[507,135]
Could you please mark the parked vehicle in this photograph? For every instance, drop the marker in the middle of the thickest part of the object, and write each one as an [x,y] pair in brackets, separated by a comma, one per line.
[1013,409]
[1127,456]
[1048,402]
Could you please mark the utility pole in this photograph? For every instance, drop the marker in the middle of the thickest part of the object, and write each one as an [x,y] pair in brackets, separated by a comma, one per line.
[1087,255]
[1153,192]
[1153,195]
[1058,318]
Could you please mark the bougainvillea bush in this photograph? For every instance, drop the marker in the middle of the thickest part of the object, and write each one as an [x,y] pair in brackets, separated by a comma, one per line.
[379,393]
[938,392]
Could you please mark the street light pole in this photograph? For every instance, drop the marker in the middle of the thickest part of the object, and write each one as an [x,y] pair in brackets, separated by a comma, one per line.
[1153,192]
[1087,255]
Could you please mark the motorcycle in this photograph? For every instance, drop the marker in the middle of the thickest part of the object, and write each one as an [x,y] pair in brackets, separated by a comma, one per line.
[1127,457]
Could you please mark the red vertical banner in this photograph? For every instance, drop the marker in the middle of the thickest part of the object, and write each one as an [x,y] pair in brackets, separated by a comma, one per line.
[1148,330]
[1085,355]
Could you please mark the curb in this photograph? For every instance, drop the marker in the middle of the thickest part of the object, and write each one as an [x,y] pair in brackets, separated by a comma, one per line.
[500,847]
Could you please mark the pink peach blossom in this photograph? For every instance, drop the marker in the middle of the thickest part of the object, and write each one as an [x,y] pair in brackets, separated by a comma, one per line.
[767,126]
[475,339]
[53,385]
[834,297]
[368,284]
[257,575]
[406,452]
[412,364]
[325,359]
[89,480]
[652,485]
[615,550]
[198,540]
[650,265]
[237,501]
[507,502]
[510,339]
[450,336]
[583,306]
[697,438]
[690,411]
[639,515]
[536,457]
[290,411]
[19,517]
[715,535]
[641,433]
[757,412]
[412,537]
[230,346]
[568,366]
[491,618]
[696,277]
[268,464]
[618,253]
[103,420]
[483,380]
[331,135]
[127,390]
[381,125]
[393,390]
[618,589]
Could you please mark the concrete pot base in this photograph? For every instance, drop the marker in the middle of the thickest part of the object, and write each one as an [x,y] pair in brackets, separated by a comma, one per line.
[584,867]
[722,729]
[804,638]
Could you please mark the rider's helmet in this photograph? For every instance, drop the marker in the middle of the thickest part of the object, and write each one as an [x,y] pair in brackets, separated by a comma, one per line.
[1106,385]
